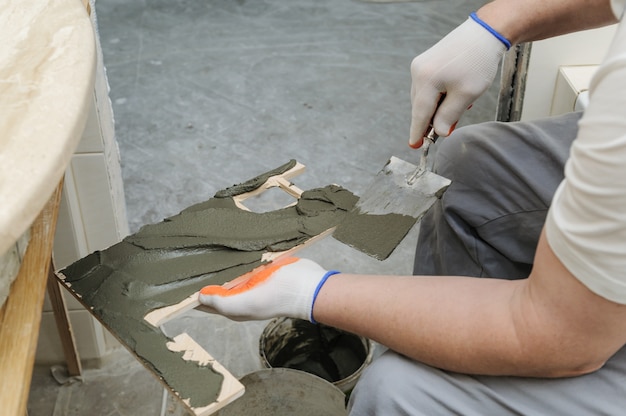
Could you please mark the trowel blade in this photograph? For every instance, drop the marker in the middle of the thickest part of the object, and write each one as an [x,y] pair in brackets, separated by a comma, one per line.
[389,208]
[390,191]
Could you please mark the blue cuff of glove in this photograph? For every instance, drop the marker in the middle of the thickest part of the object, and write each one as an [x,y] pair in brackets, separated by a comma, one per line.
[491,30]
[318,288]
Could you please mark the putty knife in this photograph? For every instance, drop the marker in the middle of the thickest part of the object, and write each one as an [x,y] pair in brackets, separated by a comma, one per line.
[399,196]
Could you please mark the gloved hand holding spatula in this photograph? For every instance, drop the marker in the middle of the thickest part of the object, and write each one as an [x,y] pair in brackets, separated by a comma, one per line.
[286,287]
[461,66]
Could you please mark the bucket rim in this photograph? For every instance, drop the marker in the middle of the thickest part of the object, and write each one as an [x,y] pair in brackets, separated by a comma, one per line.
[368,344]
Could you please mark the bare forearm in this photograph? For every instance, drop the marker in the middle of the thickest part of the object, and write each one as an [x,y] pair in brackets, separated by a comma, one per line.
[456,323]
[549,325]
[461,324]
[528,20]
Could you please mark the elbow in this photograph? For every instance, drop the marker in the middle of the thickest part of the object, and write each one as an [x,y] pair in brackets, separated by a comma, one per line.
[552,360]
[571,363]
[578,368]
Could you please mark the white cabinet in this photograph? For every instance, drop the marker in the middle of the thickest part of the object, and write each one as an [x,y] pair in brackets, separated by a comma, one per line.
[549,56]
[571,82]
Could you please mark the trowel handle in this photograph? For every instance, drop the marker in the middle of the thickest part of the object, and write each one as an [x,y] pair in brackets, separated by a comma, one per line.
[430,138]
[431,135]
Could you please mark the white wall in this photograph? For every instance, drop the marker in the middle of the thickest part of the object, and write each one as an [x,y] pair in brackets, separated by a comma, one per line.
[582,48]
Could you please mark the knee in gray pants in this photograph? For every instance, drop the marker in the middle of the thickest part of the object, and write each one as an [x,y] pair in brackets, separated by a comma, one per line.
[503,177]
[392,385]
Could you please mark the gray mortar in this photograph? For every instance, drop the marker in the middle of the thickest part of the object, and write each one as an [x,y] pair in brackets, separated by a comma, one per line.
[208,243]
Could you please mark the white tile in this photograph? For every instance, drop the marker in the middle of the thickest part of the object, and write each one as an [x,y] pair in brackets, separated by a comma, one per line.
[87,332]
[93,192]
[91,141]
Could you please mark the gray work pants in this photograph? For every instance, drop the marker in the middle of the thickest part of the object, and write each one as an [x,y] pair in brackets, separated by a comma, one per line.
[487,224]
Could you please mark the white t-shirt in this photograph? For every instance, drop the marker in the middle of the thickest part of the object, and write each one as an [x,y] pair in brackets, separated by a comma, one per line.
[586,224]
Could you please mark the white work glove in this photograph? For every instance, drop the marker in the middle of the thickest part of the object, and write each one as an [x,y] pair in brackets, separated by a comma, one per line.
[460,66]
[287,287]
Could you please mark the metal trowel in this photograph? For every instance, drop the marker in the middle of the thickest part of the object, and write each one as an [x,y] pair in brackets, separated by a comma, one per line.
[399,196]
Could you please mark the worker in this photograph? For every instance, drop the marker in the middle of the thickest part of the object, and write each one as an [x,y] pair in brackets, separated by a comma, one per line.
[539,208]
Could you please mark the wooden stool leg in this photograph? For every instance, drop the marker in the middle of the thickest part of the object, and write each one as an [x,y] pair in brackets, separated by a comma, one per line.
[64,326]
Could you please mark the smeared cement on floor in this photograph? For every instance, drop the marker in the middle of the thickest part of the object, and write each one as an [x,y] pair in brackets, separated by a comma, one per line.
[209,243]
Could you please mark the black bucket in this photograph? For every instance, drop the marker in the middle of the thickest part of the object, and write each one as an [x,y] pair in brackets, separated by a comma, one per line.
[330,353]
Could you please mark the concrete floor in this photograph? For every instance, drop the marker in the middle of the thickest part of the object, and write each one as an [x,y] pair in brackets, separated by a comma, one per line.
[210,93]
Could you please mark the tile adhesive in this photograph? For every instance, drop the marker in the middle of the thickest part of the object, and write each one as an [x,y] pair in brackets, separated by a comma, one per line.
[211,242]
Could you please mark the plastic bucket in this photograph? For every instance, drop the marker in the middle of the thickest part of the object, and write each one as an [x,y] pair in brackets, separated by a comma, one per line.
[330,353]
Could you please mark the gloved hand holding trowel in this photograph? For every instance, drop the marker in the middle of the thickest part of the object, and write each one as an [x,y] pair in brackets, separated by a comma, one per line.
[461,66]
[550,310]
[447,79]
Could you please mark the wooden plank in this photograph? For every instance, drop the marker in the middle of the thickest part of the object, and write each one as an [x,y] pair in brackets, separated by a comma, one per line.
[64,326]
[20,317]
[231,387]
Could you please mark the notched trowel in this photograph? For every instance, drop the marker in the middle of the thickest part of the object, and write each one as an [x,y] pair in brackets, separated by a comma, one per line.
[399,196]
